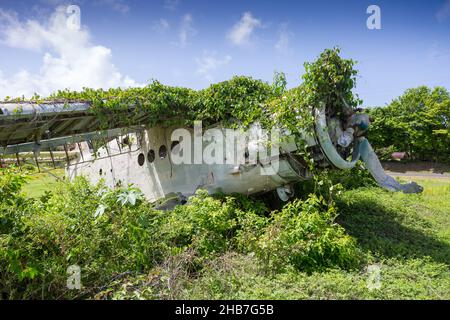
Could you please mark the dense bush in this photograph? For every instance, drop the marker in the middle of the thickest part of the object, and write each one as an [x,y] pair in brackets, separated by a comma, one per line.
[116,234]
[77,224]
[205,224]
[305,236]
[12,202]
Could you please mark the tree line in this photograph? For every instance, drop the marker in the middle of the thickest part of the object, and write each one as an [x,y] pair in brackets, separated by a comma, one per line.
[417,123]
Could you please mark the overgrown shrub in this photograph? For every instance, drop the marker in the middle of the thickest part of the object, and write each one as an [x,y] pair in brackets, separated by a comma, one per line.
[12,202]
[205,224]
[14,209]
[11,182]
[214,225]
[357,177]
[67,228]
[116,234]
[304,234]
[331,183]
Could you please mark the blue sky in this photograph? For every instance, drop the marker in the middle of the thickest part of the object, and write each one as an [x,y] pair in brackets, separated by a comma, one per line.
[193,43]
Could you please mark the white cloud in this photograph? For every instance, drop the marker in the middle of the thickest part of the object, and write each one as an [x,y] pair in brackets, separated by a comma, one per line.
[436,51]
[69,59]
[444,11]
[161,25]
[283,44]
[209,63]
[59,2]
[242,31]
[171,5]
[117,5]
[187,30]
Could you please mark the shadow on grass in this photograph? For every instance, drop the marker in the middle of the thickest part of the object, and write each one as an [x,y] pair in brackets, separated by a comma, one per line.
[388,233]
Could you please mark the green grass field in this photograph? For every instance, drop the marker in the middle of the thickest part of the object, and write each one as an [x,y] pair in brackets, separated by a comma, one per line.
[39,183]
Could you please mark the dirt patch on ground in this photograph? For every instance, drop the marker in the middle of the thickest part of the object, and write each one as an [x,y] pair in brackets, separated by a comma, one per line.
[417,166]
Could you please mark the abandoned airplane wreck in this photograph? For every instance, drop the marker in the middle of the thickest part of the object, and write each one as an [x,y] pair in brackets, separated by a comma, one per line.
[170,161]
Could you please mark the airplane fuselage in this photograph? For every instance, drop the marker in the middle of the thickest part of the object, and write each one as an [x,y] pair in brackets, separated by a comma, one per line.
[146,159]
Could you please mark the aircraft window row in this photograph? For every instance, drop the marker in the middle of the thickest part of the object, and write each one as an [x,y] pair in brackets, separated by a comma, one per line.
[151,155]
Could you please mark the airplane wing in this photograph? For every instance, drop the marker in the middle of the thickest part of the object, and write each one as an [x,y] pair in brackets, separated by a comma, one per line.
[27,126]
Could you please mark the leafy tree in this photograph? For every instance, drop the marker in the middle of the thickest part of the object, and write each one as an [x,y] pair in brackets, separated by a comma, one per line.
[417,122]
